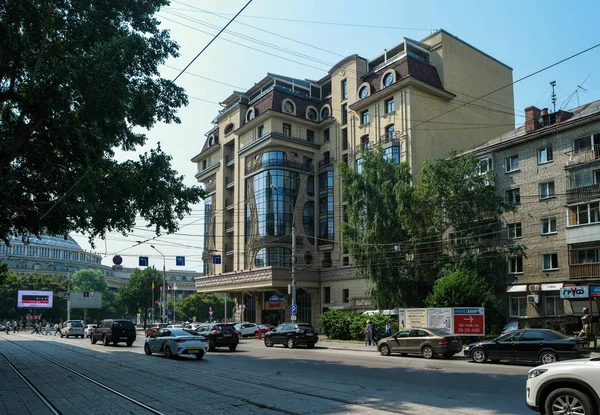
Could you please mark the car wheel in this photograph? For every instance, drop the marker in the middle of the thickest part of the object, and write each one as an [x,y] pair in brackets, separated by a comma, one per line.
[129,343]
[268,342]
[290,343]
[200,355]
[168,353]
[147,350]
[479,356]
[384,349]
[211,346]
[105,341]
[232,347]
[93,340]
[566,400]
[310,345]
[547,357]
[427,352]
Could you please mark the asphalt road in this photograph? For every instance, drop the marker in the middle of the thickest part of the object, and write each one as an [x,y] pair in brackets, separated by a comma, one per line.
[252,380]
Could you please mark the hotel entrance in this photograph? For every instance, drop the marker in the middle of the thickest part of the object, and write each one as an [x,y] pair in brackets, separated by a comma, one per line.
[273,317]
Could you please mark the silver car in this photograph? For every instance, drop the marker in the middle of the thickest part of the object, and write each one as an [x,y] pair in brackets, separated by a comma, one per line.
[74,329]
[174,342]
[424,341]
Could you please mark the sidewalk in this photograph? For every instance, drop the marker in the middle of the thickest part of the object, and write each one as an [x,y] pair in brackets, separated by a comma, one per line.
[358,346]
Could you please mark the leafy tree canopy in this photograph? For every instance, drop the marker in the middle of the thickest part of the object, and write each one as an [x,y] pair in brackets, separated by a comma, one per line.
[79,79]
[197,305]
[89,280]
[136,294]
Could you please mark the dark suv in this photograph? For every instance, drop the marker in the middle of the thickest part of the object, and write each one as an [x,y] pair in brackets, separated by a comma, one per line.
[292,334]
[114,331]
[220,335]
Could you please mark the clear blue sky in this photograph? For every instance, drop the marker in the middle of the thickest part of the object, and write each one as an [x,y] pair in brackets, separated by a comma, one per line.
[526,36]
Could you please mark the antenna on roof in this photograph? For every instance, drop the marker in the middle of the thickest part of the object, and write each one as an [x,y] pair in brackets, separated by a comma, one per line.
[582,88]
[553,83]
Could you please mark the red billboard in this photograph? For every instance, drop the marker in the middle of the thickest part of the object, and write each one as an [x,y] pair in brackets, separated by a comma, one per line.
[469,321]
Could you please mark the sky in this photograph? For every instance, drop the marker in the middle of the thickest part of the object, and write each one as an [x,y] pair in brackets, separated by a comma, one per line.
[308,37]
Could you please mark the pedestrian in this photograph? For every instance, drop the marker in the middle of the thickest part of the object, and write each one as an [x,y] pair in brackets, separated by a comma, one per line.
[15,327]
[388,329]
[56,329]
[47,329]
[7,328]
[585,323]
[373,334]
[368,333]
[36,328]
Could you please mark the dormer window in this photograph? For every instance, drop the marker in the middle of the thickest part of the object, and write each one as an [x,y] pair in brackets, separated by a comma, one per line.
[363,92]
[250,115]
[312,114]
[288,107]
[211,141]
[324,113]
[228,129]
[388,79]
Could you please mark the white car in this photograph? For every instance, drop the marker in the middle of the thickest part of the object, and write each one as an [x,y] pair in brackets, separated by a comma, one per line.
[89,329]
[176,342]
[247,329]
[569,387]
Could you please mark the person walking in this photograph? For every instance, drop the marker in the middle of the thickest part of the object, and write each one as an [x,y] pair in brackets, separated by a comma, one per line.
[14,325]
[368,333]
[7,328]
[388,329]
[56,329]
[47,329]
[373,334]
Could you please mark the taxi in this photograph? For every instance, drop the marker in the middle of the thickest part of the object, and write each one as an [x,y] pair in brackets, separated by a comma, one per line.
[175,342]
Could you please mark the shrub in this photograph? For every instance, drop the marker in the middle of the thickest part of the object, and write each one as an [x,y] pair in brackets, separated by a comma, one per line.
[344,325]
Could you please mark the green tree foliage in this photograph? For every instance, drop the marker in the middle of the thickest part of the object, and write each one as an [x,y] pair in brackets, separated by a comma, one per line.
[79,79]
[460,287]
[197,305]
[374,232]
[136,294]
[89,280]
[343,325]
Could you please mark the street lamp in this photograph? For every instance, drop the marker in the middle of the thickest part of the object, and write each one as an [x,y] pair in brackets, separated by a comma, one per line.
[162,304]
[174,301]
[273,187]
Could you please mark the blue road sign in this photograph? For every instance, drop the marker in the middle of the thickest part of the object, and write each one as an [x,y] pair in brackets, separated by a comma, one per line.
[170,312]
[180,261]
[294,309]
[143,261]
[216,259]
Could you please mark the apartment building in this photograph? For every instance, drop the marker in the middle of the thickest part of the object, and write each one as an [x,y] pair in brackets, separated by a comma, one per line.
[269,163]
[550,168]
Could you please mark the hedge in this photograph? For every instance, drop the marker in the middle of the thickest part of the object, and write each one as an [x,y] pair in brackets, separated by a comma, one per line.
[344,325]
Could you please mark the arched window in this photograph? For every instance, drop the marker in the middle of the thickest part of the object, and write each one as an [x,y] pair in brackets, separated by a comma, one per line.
[312,114]
[364,143]
[228,129]
[390,133]
[250,115]
[325,113]
[211,141]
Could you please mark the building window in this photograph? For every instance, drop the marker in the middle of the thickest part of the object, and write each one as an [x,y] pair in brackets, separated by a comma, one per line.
[345,114]
[548,226]
[364,143]
[547,190]
[583,144]
[589,255]
[392,154]
[310,136]
[344,89]
[324,113]
[308,220]
[345,159]
[485,165]
[204,164]
[273,158]
[310,186]
[584,177]
[346,261]
[250,115]
[545,155]
[346,295]
[550,262]
[359,165]
[344,139]
[327,260]
[515,265]
[554,306]
[287,130]
[364,117]
[518,307]
[513,196]
[260,131]
[511,163]
[326,134]
[228,129]
[515,230]
[584,214]
[276,256]
[389,105]
[312,114]
[327,295]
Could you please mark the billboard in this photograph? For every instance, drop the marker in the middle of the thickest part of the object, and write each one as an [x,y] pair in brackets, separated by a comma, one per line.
[87,299]
[416,317]
[34,299]
[440,318]
[461,321]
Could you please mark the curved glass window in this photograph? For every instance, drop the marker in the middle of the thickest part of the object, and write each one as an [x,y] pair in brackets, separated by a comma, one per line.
[275,256]
[275,206]
[312,114]
[392,154]
[326,219]
[324,113]
[229,128]
[308,220]
[273,158]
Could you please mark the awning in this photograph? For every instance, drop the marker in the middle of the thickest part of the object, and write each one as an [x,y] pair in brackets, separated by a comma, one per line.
[516,289]
[552,287]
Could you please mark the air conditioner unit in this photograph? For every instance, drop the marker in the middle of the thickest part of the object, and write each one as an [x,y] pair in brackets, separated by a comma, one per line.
[533,299]
[534,288]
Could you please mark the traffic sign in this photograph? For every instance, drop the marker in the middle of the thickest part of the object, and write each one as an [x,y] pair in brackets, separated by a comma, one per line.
[180,261]
[293,317]
[66,296]
[143,261]
[469,321]
[216,259]
[32,317]
[294,309]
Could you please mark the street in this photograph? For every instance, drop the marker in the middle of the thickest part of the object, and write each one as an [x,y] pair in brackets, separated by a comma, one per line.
[252,380]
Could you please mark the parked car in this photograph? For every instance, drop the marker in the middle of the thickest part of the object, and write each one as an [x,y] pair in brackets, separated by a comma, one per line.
[114,331]
[88,329]
[176,342]
[571,387]
[424,341]
[220,335]
[72,328]
[155,327]
[192,326]
[266,327]
[534,345]
[247,329]
[291,335]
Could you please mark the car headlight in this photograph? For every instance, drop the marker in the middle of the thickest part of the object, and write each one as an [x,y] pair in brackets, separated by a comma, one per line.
[534,373]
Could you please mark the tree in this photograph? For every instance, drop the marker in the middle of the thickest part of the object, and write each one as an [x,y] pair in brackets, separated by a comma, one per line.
[136,294]
[197,305]
[374,232]
[79,79]
[89,280]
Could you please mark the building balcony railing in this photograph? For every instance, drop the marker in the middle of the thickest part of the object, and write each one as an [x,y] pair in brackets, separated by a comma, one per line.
[229,160]
[581,271]
[583,194]
[366,146]
[229,205]
[583,156]
[326,162]
[228,226]
[229,182]
[228,249]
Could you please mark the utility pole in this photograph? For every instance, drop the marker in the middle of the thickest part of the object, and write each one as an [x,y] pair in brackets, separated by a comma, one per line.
[69,291]
[162,303]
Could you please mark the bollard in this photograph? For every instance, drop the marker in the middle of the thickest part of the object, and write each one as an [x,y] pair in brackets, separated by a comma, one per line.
[268,328]
[259,333]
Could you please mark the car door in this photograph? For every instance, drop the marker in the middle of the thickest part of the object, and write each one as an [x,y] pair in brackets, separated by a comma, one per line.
[279,334]
[415,340]
[504,347]
[398,342]
[529,345]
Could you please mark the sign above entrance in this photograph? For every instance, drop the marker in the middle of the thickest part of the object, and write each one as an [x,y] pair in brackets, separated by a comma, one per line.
[595,291]
[574,292]
[273,305]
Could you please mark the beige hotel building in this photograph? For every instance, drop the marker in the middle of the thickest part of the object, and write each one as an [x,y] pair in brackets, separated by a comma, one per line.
[270,161]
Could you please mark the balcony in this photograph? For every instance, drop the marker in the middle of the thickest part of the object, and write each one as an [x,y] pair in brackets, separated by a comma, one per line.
[228,227]
[583,194]
[228,249]
[326,162]
[229,183]
[366,146]
[588,155]
[584,271]
[229,161]
[207,170]
[229,205]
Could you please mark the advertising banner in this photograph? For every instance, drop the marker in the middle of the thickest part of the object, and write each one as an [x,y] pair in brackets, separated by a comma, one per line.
[469,321]
[574,292]
[595,291]
[88,299]
[34,299]
[416,317]
[440,318]
[402,318]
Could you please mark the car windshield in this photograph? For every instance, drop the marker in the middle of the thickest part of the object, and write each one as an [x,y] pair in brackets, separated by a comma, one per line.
[238,326]
[439,332]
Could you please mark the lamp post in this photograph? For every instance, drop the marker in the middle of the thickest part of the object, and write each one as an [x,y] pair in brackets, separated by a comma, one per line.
[273,187]
[162,303]
[174,301]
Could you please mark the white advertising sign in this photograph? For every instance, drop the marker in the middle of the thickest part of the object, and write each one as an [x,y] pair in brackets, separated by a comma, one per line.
[574,292]
[34,299]
[416,317]
[440,318]
[402,318]
[88,299]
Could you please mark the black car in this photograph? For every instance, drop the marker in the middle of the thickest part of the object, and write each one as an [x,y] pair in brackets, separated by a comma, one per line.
[220,335]
[292,334]
[533,345]
[114,331]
